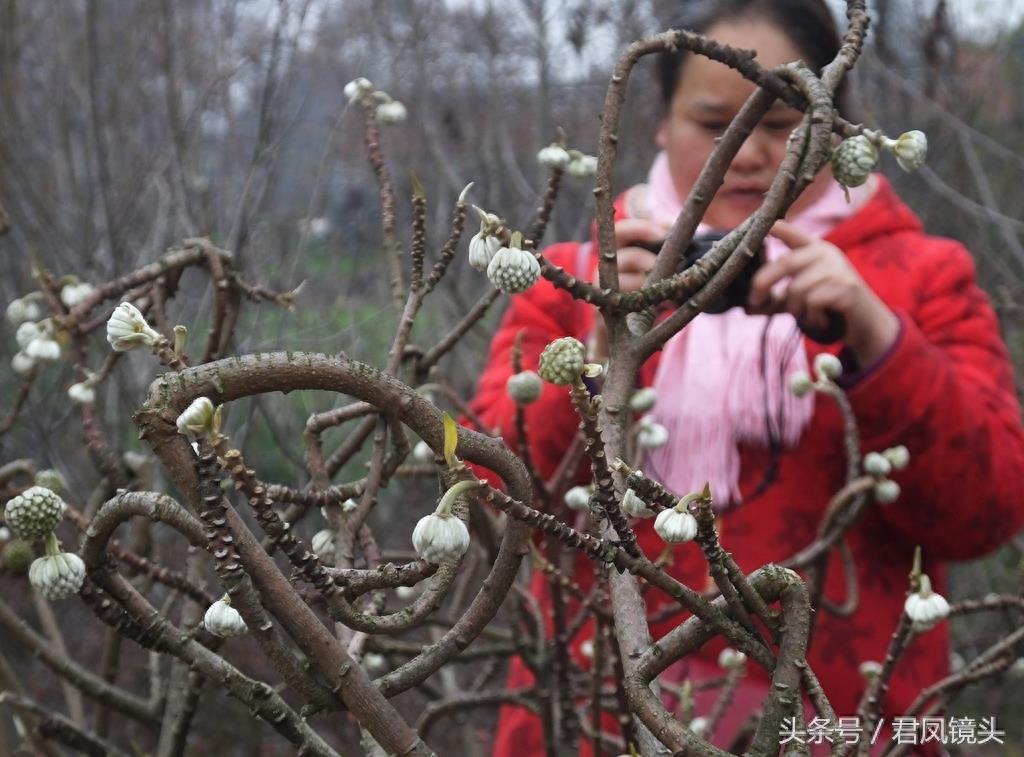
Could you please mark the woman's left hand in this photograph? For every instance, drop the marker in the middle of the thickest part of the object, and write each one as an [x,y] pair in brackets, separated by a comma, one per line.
[821,279]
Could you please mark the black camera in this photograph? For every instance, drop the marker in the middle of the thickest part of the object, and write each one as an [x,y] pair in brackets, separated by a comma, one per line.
[737,293]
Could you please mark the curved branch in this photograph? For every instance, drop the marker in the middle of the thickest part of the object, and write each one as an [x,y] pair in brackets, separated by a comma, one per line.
[231,379]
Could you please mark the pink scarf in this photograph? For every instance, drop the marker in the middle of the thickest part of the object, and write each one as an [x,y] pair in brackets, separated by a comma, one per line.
[723,374]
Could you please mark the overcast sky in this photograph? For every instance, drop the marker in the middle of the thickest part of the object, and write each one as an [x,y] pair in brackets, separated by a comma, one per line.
[971,17]
[984,17]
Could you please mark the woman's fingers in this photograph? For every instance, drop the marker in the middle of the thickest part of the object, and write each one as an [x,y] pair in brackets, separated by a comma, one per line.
[770,274]
[634,263]
[638,230]
[791,236]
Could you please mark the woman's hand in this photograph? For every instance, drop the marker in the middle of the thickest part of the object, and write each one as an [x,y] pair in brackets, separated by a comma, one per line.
[821,279]
[634,263]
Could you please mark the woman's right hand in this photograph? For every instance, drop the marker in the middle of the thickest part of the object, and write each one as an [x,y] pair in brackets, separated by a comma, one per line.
[634,263]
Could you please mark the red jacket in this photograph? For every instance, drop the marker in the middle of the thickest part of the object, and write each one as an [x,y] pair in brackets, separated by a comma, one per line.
[945,390]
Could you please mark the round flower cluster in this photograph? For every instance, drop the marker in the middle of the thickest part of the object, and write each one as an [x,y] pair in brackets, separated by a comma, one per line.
[561,362]
[925,608]
[57,575]
[554,157]
[34,513]
[854,160]
[880,465]
[38,344]
[127,329]
[524,387]
[221,619]
[513,269]
[442,536]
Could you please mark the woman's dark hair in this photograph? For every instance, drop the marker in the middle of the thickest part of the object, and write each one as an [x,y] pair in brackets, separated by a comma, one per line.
[808,23]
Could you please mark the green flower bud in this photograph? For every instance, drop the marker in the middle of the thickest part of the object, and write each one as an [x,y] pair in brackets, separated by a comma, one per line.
[800,383]
[876,465]
[853,160]
[52,480]
[34,513]
[898,457]
[643,400]
[562,361]
[524,387]
[886,491]
[18,556]
[827,366]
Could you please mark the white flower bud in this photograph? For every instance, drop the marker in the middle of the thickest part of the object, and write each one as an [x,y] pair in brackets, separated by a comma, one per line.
[440,537]
[561,362]
[524,387]
[910,149]
[898,457]
[23,309]
[699,725]
[127,329]
[483,247]
[199,417]
[643,400]
[513,270]
[392,112]
[57,575]
[405,593]
[373,661]
[577,498]
[730,659]
[635,507]
[886,491]
[22,363]
[82,393]
[554,157]
[27,333]
[675,527]
[357,89]
[5,534]
[827,366]
[800,383]
[349,505]
[221,619]
[651,435]
[422,452]
[323,544]
[877,465]
[43,350]
[853,160]
[924,607]
[870,670]
[74,294]
[34,513]
[582,166]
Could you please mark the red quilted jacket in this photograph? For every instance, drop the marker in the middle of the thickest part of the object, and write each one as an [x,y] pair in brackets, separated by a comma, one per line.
[945,390]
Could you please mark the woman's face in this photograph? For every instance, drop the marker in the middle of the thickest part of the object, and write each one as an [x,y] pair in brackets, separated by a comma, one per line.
[707,97]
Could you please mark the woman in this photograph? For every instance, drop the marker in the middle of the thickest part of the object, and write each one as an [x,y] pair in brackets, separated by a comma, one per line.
[924,367]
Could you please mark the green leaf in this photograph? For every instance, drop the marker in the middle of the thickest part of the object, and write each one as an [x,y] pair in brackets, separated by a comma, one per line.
[451,440]
[417,187]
